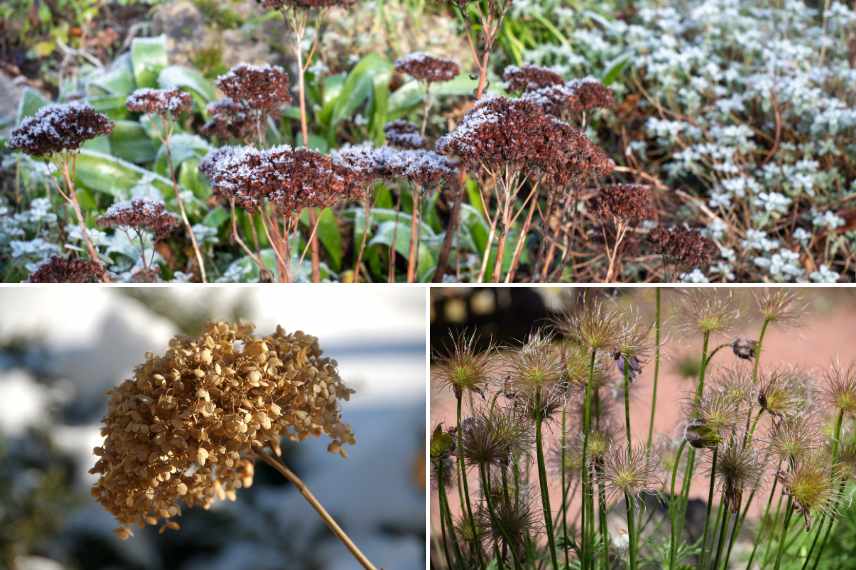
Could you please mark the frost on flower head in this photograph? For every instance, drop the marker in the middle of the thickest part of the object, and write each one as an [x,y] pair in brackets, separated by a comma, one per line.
[67,270]
[262,87]
[419,166]
[519,133]
[305,4]
[171,102]
[63,126]
[141,214]
[403,134]
[229,119]
[574,96]
[290,179]
[426,67]
[182,431]
[529,77]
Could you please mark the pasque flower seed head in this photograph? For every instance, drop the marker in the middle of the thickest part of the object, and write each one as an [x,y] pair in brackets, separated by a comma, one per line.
[182,431]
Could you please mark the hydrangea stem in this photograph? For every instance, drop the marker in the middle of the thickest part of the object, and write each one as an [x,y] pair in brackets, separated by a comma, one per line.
[322,512]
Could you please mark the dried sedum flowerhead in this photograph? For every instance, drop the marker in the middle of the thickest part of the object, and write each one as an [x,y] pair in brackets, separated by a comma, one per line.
[683,247]
[529,78]
[229,119]
[428,68]
[140,214]
[59,127]
[403,134]
[629,472]
[304,4]
[262,87]
[572,97]
[172,102]
[183,430]
[626,203]
[67,270]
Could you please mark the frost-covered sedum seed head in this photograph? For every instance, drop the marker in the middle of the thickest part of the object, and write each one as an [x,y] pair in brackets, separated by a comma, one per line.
[182,431]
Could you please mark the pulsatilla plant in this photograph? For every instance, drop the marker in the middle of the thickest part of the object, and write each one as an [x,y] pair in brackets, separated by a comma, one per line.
[187,428]
[759,441]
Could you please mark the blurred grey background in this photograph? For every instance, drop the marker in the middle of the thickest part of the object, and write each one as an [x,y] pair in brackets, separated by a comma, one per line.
[62,347]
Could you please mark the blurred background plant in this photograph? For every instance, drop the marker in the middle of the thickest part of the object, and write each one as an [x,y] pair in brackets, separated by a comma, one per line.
[57,356]
[739,115]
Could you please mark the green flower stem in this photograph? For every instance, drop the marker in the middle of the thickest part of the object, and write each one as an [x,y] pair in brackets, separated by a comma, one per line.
[604,531]
[564,509]
[631,528]
[722,531]
[587,497]
[488,495]
[709,507]
[673,508]
[542,478]
[764,516]
[465,486]
[657,334]
[627,406]
[446,523]
[789,510]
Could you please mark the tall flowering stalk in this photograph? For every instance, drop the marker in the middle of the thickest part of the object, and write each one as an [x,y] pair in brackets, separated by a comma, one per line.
[57,131]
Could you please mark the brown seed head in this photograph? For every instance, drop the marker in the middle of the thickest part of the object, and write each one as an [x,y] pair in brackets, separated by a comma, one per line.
[59,127]
[428,68]
[141,214]
[263,87]
[529,78]
[67,270]
[683,247]
[172,102]
[182,431]
[627,203]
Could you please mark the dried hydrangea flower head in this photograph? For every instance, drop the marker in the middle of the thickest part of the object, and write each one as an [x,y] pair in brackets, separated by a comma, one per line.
[403,134]
[182,432]
[59,127]
[683,247]
[529,78]
[428,68]
[628,203]
[166,102]
[140,214]
[67,270]
[573,97]
[229,119]
[261,87]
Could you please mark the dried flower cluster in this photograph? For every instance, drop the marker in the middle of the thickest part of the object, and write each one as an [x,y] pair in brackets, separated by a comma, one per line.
[422,167]
[403,134]
[572,97]
[529,78]
[304,4]
[290,179]
[171,102]
[683,247]
[228,119]
[67,270]
[629,203]
[140,214]
[258,86]
[59,127]
[428,68]
[182,431]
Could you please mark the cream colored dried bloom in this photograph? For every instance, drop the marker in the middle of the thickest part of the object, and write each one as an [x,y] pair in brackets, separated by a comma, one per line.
[181,432]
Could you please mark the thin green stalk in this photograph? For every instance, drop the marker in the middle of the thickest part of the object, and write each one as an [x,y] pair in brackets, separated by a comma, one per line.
[627,405]
[542,478]
[768,545]
[564,508]
[587,496]
[789,510]
[601,502]
[485,481]
[722,531]
[657,332]
[631,528]
[446,523]
[467,507]
[836,439]
[673,508]
[709,506]
[757,539]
